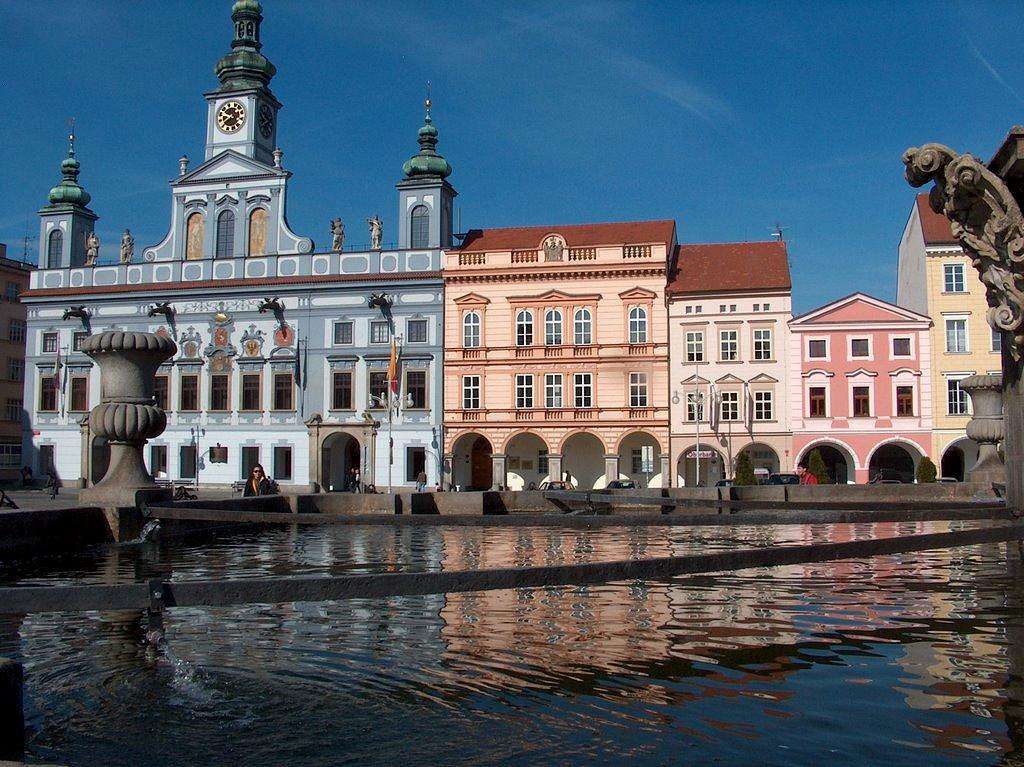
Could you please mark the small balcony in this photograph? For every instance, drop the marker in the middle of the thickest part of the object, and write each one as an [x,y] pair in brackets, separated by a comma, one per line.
[526,415]
[523,351]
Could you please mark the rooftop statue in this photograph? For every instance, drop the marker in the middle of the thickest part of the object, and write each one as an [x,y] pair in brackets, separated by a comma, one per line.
[376,232]
[92,248]
[337,235]
[127,247]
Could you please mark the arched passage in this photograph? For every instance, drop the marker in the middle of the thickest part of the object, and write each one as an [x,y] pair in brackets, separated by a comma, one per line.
[526,461]
[958,458]
[893,461]
[640,459]
[707,459]
[471,462]
[763,458]
[839,463]
[340,463]
[583,460]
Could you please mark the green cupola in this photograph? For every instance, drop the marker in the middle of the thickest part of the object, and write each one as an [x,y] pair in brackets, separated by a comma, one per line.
[68,191]
[245,66]
[427,163]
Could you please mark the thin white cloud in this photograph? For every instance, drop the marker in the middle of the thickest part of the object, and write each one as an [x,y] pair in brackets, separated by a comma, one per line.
[995,74]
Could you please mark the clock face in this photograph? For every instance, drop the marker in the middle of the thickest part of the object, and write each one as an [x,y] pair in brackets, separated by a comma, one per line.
[266,120]
[230,117]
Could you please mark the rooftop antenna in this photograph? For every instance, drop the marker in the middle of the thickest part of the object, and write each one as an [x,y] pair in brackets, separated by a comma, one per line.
[777,232]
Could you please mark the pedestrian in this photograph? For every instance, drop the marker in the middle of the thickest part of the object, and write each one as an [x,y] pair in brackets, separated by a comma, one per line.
[258,483]
[806,477]
[357,486]
[421,481]
[53,484]
[26,475]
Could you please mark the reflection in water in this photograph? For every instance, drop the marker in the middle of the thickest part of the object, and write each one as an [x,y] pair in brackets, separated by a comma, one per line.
[909,659]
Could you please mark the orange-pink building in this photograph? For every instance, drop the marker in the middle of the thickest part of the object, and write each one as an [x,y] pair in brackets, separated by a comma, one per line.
[860,389]
[556,355]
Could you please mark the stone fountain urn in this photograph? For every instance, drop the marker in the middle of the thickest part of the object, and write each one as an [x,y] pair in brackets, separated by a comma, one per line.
[127,415]
[986,427]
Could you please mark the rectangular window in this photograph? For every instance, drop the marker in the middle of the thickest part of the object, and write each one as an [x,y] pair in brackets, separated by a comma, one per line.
[638,390]
[905,401]
[49,343]
[416,331]
[380,332]
[470,392]
[416,388]
[282,462]
[763,344]
[342,332]
[77,338]
[816,401]
[161,392]
[553,390]
[378,387]
[79,394]
[763,406]
[860,348]
[695,346]
[953,278]
[187,462]
[997,341]
[956,335]
[341,390]
[188,396]
[729,406]
[250,457]
[694,406]
[16,331]
[729,343]
[10,454]
[48,394]
[415,462]
[11,293]
[158,461]
[251,385]
[284,387]
[13,410]
[15,369]
[817,349]
[642,459]
[219,399]
[583,390]
[861,402]
[901,347]
[542,461]
[524,391]
[956,398]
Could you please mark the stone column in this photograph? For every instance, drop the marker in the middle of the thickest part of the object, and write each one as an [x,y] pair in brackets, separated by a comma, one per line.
[127,416]
[611,467]
[315,449]
[447,468]
[86,452]
[986,428]
[498,463]
[12,718]
[554,466]
[666,463]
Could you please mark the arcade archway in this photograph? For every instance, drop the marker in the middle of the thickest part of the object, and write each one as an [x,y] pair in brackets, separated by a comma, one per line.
[707,460]
[894,462]
[839,463]
[526,461]
[471,462]
[583,460]
[763,458]
[340,463]
[958,458]
[640,459]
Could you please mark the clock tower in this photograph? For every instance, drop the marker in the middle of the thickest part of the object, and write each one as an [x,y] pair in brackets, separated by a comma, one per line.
[242,112]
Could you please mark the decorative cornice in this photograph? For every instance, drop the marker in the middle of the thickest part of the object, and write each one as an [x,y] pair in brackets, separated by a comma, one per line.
[530,276]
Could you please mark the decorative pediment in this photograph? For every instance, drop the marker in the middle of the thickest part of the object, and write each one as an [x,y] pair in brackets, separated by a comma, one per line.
[861,372]
[861,309]
[729,379]
[695,380]
[556,297]
[901,371]
[763,378]
[228,164]
[638,294]
[472,299]
[818,372]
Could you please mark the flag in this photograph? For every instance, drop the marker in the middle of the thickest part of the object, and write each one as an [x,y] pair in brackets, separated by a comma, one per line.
[58,380]
[298,363]
[393,369]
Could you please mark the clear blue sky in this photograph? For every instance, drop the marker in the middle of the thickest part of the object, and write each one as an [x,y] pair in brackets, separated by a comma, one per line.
[726,117]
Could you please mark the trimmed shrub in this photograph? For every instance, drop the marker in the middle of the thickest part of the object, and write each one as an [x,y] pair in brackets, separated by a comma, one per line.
[816,466]
[926,471]
[744,471]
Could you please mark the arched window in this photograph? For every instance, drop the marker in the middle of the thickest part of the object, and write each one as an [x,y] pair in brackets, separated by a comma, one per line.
[419,227]
[524,328]
[258,232]
[471,330]
[195,233]
[638,325]
[553,327]
[54,248]
[583,327]
[225,235]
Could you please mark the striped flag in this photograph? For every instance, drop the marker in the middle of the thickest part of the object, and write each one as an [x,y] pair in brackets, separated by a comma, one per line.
[393,369]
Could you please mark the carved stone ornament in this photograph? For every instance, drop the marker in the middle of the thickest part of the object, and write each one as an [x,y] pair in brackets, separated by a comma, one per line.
[986,221]
[189,342]
[554,246]
[252,341]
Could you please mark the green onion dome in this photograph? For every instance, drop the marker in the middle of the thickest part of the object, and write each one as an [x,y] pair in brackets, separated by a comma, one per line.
[68,191]
[427,163]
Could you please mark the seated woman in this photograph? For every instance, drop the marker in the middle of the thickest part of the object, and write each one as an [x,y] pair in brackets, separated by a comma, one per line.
[258,483]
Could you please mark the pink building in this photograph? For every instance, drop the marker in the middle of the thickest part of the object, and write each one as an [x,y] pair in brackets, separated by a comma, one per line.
[860,393]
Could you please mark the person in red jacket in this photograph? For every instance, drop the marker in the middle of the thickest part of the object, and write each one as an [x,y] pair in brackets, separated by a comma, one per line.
[806,478]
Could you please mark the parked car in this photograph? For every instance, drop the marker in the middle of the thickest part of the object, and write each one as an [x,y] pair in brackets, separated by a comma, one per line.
[724,483]
[783,479]
[555,484]
[622,484]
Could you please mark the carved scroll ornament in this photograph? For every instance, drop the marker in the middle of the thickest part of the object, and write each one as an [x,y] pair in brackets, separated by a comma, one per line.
[986,220]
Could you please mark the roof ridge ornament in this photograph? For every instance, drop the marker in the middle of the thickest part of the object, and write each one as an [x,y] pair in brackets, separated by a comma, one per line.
[69,191]
[427,163]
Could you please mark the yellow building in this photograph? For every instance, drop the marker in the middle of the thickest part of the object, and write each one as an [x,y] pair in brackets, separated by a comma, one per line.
[935,277]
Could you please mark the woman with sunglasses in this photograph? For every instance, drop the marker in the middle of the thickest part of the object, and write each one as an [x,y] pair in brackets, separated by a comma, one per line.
[258,483]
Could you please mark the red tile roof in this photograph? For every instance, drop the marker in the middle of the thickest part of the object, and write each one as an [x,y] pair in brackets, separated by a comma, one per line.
[934,226]
[576,235]
[730,266]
